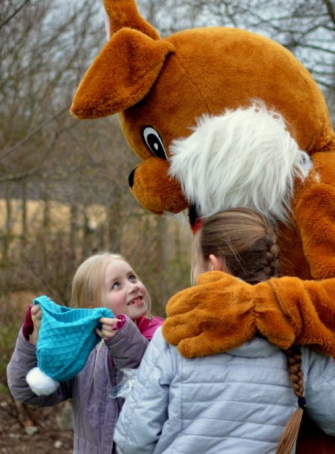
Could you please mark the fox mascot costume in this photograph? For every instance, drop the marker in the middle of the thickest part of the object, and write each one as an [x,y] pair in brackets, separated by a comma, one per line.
[220,118]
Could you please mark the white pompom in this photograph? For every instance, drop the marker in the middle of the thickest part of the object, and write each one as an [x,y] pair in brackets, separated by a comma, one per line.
[40,383]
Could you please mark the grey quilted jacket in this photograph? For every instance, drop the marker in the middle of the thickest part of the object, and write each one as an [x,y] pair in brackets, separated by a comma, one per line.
[95,412]
[238,402]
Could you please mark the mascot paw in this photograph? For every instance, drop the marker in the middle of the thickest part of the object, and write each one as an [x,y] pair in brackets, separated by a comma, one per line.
[214,316]
[222,313]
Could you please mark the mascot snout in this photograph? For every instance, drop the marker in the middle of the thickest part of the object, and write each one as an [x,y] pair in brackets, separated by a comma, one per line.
[153,187]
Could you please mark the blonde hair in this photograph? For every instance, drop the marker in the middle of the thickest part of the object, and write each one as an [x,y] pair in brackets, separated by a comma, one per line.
[247,244]
[89,280]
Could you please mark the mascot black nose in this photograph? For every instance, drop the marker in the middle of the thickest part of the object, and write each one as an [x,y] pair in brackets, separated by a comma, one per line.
[131,178]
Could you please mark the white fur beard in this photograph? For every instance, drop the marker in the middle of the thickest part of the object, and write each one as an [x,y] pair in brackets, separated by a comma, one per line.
[244,158]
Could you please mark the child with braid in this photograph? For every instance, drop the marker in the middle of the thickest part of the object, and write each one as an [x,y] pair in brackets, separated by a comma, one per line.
[248,400]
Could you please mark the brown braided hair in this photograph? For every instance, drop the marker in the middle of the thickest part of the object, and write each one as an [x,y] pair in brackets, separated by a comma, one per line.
[247,243]
[291,431]
[244,240]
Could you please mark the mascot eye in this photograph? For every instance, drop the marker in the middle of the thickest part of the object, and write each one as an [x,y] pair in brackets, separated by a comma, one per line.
[153,140]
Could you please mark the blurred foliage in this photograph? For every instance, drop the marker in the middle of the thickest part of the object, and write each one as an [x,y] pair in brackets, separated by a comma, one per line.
[10,323]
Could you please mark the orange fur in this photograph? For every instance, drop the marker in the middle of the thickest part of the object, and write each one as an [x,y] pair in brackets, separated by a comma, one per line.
[157,169]
[234,311]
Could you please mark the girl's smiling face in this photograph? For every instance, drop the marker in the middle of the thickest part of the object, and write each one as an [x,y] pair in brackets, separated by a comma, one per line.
[124,292]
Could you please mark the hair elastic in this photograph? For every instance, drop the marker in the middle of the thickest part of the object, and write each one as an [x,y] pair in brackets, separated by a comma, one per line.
[198,224]
[302,402]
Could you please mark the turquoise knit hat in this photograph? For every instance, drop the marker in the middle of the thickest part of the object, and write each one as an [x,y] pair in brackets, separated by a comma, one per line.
[66,338]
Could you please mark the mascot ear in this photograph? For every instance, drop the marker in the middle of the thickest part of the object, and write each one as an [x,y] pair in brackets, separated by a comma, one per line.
[124,13]
[121,75]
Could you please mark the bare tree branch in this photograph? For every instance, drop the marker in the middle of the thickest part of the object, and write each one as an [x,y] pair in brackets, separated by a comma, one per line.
[330,9]
[31,172]
[32,134]
[6,21]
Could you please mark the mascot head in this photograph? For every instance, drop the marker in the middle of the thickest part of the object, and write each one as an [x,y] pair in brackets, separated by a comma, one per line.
[220,117]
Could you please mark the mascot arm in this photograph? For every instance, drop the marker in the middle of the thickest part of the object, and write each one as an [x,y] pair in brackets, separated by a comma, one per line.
[314,213]
[222,312]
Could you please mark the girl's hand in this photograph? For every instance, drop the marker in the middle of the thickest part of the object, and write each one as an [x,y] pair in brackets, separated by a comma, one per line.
[108,327]
[36,316]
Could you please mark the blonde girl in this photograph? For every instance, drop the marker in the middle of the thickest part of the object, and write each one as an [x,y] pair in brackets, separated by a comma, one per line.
[107,280]
[103,280]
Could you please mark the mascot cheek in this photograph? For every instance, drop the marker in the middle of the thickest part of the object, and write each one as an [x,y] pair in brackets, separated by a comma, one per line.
[152,186]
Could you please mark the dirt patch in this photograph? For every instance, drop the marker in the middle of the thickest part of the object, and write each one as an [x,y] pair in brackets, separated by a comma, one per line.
[35,431]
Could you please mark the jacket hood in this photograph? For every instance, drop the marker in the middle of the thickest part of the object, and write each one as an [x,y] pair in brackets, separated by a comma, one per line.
[258,347]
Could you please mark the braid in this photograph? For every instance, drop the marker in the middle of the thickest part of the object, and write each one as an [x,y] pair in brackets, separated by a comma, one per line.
[296,375]
[294,360]
[259,262]
[272,255]
[294,363]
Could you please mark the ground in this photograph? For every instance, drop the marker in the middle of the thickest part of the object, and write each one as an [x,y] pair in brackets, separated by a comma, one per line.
[25,429]
[34,431]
